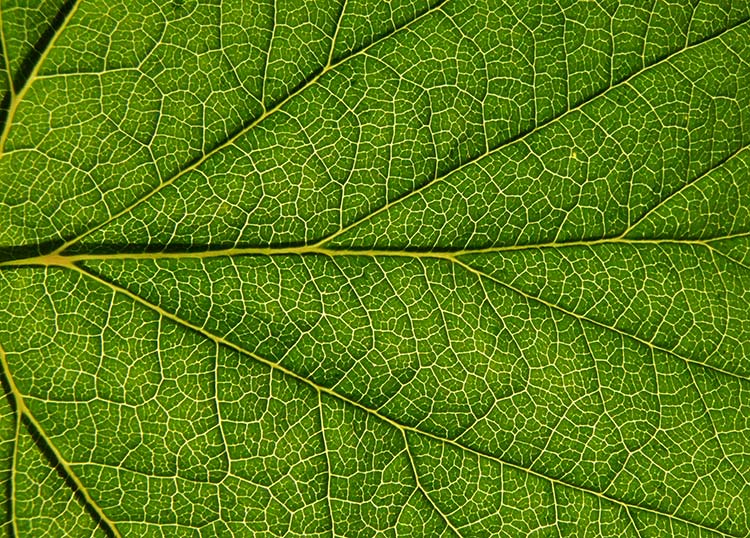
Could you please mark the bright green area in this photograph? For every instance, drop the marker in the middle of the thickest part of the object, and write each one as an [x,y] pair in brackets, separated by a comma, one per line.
[367,268]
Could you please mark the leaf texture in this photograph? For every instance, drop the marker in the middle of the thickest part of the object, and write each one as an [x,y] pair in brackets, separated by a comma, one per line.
[408,268]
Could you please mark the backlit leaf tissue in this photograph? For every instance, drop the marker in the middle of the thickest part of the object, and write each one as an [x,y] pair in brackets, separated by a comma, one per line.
[364,268]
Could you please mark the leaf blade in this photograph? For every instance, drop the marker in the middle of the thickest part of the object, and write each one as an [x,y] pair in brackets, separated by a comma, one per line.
[469,269]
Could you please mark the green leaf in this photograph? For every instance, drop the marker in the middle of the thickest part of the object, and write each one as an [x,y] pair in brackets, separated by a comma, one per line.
[362,268]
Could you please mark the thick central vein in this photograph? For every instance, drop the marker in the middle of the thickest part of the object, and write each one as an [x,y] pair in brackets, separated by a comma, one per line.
[58,259]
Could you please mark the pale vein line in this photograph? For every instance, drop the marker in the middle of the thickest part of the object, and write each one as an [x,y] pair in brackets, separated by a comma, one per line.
[14,466]
[328,463]
[336,30]
[16,98]
[599,383]
[727,257]
[121,467]
[6,56]
[711,422]
[397,519]
[553,306]
[62,259]
[217,403]
[22,409]
[737,235]
[523,136]
[233,138]
[401,427]
[421,488]
[557,515]
[724,294]
[268,56]
[632,522]
[683,188]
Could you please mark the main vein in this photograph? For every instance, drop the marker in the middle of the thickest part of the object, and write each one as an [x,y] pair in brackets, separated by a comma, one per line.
[59,259]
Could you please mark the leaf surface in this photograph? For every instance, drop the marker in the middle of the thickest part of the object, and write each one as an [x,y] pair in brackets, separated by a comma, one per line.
[364,268]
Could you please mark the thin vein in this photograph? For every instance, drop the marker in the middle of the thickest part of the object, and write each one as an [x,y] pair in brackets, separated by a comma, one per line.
[335,35]
[523,136]
[268,55]
[233,138]
[599,384]
[710,420]
[273,366]
[6,60]
[558,308]
[22,409]
[557,515]
[632,522]
[17,97]
[328,464]
[683,188]
[217,404]
[727,256]
[421,488]
[13,468]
